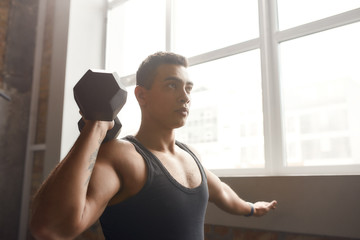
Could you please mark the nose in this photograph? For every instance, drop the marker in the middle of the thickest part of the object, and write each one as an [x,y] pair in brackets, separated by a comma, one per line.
[185,97]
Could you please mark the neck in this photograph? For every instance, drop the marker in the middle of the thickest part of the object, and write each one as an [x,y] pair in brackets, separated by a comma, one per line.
[157,139]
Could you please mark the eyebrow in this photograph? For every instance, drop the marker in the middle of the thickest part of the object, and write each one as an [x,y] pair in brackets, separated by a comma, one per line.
[172,78]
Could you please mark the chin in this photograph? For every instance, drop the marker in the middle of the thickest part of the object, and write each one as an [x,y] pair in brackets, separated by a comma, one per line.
[179,125]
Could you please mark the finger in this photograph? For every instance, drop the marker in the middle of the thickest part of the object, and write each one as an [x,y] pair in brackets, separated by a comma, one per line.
[273,204]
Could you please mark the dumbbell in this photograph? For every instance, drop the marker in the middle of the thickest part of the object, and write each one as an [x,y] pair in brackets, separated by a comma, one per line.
[100,95]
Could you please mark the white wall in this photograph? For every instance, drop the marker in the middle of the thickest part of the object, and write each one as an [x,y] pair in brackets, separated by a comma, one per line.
[85,50]
[79,38]
[56,85]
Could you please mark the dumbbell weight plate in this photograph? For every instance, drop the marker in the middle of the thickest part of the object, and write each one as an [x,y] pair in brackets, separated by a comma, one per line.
[100,95]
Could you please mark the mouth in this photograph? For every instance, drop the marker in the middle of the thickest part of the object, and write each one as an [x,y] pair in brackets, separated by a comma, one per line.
[183,111]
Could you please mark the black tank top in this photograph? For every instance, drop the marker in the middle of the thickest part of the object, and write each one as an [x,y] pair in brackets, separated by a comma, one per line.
[162,210]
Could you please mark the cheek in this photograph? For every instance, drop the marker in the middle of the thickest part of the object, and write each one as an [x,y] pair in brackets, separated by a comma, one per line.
[159,103]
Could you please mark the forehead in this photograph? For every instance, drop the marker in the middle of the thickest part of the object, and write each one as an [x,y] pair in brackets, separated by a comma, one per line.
[168,71]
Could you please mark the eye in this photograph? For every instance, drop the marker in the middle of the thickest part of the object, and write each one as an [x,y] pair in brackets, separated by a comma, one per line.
[172,85]
[188,89]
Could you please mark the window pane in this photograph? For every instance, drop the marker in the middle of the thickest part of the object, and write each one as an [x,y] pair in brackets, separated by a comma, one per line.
[321,86]
[202,25]
[130,114]
[297,12]
[134,32]
[225,122]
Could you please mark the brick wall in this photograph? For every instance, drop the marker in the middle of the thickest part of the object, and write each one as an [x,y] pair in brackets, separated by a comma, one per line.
[4,16]
[17,43]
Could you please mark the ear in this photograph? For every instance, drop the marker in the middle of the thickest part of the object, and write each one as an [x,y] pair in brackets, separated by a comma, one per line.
[140,94]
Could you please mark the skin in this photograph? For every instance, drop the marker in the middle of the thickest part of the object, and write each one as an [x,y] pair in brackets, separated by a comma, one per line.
[94,175]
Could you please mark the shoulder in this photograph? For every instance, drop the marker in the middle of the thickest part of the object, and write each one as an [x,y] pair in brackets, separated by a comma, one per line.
[128,165]
[116,145]
[117,152]
[191,149]
[123,158]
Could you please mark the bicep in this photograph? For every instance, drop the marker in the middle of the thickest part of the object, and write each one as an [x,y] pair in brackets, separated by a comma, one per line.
[103,185]
[215,186]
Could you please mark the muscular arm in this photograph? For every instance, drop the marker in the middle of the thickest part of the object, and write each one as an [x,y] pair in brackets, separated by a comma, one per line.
[70,200]
[226,199]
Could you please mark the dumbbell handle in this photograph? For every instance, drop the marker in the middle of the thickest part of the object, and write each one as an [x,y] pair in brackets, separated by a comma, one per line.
[110,134]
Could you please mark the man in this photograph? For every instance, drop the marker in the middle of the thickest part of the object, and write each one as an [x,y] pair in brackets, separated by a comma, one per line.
[147,186]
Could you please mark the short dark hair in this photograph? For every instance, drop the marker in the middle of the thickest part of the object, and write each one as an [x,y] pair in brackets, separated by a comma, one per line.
[147,70]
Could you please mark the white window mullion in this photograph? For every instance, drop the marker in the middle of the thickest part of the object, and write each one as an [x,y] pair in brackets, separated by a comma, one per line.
[273,127]
[320,25]
[115,3]
[225,52]
[169,25]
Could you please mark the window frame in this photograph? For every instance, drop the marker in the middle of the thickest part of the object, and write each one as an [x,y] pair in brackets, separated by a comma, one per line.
[270,37]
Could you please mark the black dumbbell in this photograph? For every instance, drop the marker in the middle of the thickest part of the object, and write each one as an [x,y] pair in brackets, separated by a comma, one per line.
[100,95]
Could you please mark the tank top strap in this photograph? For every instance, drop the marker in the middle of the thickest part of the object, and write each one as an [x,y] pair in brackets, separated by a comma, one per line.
[145,153]
[187,149]
[154,164]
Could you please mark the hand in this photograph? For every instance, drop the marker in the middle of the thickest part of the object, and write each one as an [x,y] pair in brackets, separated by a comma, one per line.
[107,125]
[262,208]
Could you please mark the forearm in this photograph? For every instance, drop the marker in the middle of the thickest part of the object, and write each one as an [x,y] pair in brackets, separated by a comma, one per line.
[61,200]
[230,202]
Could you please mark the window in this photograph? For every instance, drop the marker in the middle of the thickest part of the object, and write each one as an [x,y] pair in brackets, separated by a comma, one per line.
[276,90]
[321,82]
[199,26]
[215,120]
[293,13]
[134,32]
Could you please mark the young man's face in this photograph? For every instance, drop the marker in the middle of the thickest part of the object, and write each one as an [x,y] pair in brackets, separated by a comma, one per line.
[168,99]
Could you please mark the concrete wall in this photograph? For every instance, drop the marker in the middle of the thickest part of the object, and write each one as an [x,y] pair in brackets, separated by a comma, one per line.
[17,40]
[317,205]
